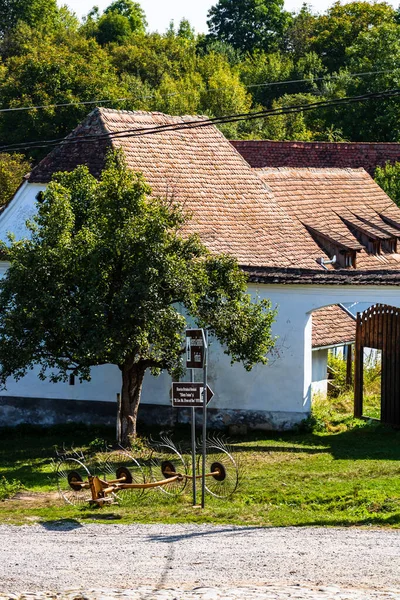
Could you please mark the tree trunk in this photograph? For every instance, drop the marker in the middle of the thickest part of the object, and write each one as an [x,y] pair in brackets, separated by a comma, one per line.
[132,381]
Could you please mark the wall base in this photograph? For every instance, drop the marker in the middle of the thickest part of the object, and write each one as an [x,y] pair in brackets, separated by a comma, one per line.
[45,411]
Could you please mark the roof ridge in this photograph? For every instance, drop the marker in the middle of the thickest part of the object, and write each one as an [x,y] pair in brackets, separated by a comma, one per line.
[322,170]
[103,109]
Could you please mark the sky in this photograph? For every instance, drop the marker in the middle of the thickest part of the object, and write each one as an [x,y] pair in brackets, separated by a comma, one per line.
[160,12]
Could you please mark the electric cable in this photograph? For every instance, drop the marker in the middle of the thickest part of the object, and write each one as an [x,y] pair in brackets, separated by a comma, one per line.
[198,123]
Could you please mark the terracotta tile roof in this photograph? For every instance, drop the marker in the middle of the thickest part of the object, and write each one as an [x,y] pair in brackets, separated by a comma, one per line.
[331,326]
[368,155]
[339,206]
[277,219]
[233,211]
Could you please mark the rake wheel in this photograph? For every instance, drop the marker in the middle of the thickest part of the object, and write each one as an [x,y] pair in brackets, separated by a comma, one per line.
[120,463]
[220,461]
[70,472]
[166,461]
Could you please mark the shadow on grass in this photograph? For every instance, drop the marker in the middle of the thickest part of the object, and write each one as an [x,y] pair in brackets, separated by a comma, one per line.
[100,516]
[372,443]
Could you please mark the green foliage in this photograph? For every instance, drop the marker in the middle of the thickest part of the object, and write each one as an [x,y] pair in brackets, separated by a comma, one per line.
[119,21]
[109,276]
[248,24]
[340,27]
[388,177]
[256,56]
[8,488]
[13,167]
[35,13]
[336,414]
[74,70]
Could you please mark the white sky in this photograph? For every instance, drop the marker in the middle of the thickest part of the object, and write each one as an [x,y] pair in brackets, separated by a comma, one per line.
[160,12]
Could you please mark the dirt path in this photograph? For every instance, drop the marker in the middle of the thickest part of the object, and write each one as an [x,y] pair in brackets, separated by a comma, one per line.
[58,557]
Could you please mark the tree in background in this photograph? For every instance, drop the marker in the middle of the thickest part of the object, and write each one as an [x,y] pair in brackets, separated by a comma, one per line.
[255,57]
[118,22]
[340,27]
[13,167]
[35,13]
[248,24]
[106,278]
[73,71]
[388,177]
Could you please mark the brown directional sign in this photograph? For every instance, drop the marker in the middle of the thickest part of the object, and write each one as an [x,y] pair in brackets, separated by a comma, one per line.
[189,394]
[194,349]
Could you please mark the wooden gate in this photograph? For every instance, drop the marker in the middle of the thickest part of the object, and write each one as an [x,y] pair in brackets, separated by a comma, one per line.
[379,327]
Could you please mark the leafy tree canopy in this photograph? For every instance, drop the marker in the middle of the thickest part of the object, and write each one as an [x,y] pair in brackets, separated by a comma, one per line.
[341,26]
[248,24]
[36,13]
[388,177]
[106,277]
[76,70]
[119,20]
[12,169]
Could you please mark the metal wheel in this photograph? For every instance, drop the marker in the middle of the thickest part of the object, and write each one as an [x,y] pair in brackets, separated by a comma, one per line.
[166,461]
[120,463]
[70,472]
[220,461]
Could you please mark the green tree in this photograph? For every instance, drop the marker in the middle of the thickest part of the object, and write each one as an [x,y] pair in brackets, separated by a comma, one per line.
[248,24]
[73,71]
[378,51]
[36,13]
[388,177]
[299,34]
[152,57]
[340,27]
[109,278]
[12,169]
[118,22]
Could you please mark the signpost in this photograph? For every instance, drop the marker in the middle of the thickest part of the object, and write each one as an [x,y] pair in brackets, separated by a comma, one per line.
[190,394]
[195,395]
[195,350]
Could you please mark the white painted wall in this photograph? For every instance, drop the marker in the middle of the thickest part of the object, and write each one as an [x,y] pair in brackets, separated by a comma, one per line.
[319,383]
[283,387]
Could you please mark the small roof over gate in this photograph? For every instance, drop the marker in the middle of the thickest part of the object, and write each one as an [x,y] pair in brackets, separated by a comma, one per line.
[332,326]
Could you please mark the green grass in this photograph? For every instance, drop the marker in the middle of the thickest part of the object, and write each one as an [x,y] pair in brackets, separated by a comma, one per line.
[348,476]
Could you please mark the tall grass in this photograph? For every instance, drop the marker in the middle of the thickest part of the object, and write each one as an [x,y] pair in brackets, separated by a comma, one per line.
[336,413]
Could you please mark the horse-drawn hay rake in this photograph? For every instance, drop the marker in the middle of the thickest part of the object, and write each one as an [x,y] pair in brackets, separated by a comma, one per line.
[118,477]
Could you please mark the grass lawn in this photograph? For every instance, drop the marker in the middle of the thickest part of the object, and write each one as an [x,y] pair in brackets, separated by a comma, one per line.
[348,473]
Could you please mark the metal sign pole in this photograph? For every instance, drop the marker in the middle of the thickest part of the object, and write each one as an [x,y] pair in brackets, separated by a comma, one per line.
[193,445]
[203,475]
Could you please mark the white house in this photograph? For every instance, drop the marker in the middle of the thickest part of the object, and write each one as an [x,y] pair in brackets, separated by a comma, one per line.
[308,238]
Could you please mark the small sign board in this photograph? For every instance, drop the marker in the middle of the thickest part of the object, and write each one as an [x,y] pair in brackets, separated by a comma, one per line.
[189,394]
[195,350]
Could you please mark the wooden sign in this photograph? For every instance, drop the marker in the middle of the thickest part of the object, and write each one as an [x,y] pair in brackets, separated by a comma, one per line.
[189,394]
[195,350]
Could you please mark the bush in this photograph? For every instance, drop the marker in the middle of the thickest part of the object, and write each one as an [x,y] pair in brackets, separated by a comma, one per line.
[9,488]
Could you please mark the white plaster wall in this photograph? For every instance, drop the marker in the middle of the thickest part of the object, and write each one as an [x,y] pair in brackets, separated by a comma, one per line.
[284,385]
[19,210]
[319,383]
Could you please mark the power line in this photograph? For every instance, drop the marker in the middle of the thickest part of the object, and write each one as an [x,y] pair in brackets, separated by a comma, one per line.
[311,79]
[151,95]
[193,124]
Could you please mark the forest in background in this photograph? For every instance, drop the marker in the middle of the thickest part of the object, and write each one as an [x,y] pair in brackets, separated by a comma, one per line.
[256,56]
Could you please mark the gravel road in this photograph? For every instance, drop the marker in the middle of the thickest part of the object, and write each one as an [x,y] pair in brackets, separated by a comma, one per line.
[56,557]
